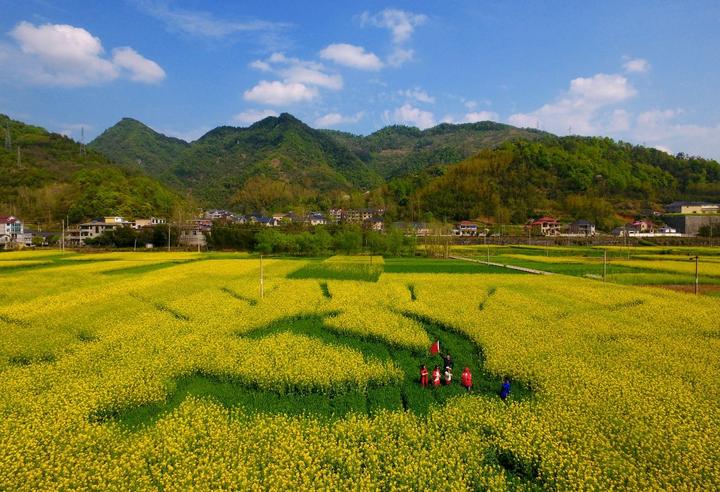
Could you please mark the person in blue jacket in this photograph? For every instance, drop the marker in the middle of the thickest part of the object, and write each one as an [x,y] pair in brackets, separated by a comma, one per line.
[505,390]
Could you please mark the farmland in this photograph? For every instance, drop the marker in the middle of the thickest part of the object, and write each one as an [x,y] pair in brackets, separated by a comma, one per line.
[146,371]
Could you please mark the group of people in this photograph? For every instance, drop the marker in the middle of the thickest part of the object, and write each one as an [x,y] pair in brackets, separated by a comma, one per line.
[438,378]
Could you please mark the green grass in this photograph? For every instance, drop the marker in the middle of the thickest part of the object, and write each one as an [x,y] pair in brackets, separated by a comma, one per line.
[363,272]
[439,265]
[407,395]
[53,262]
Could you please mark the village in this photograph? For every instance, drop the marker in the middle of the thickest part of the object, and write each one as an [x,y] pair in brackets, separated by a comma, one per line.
[680,219]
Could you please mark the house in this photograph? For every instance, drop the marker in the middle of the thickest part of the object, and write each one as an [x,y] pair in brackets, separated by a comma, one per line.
[262,220]
[201,224]
[193,236]
[375,223]
[11,230]
[219,214]
[355,215]
[315,219]
[412,228]
[336,214]
[544,226]
[466,228]
[89,230]
[692,208]
[151,222]
[641,226]
[582,228]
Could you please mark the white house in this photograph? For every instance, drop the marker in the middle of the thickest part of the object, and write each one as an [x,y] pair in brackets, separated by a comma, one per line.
[11,230]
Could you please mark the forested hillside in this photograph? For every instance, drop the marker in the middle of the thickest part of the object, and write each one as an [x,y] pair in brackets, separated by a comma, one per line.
[398,150]
[45,177]
[280,163]
[577,177]
[236,166]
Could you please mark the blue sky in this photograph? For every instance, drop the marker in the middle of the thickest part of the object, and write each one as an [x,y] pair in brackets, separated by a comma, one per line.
[644,72]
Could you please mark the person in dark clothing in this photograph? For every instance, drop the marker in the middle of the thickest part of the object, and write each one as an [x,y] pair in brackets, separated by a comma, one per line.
[505,390]
[447,360]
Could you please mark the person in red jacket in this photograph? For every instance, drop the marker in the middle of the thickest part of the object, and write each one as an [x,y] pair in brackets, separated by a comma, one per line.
[436,376]
[423,376]
[466,379]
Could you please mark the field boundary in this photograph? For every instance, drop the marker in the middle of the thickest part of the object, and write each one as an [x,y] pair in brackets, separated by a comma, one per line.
[511,267]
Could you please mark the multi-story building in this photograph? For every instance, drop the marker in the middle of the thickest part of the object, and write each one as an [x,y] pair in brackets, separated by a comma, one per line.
[11,230]
[545,226]
[693,208]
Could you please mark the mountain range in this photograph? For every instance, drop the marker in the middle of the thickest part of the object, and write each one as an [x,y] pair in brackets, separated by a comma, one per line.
[489,170]
[219,165]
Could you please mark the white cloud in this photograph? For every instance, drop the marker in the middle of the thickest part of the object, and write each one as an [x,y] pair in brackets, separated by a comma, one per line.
[250,116]
[335,119]
[418,94]
[636,65]
[618,121]
[312,76]
[295,70]
[400,56]
[659,128]
[64,55]
[663,149]
[581,108]
[260,65]
[203,24]
[410,115]
[141,69]
[473,117]
[76,131]
[471,104]
[476,116]
[278,93]
[351,56]
[401,23]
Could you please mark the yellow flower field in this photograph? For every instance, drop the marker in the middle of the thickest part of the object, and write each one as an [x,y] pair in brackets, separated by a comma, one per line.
[622,381]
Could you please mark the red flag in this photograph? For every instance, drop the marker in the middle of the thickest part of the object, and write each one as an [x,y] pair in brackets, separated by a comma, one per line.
[435,347]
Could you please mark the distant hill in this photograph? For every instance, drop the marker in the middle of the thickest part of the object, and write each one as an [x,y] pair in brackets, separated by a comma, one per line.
[483,169]
[132,143]
[51,177]
[574,177]
[228,163]
[398,150]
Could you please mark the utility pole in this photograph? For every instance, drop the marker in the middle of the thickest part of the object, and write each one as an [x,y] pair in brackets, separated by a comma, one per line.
[262,279]
[62,241]
[697,278]
[8,139]
[168,236]
[135,245]
[604,264]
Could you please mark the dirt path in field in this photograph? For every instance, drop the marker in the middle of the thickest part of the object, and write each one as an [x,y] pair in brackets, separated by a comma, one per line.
[688,288]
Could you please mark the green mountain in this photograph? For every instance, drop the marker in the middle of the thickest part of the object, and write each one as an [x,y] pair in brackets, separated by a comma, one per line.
[398,150]
[132,143]
[448,172]
[45,177]
[575,177]
[229,164]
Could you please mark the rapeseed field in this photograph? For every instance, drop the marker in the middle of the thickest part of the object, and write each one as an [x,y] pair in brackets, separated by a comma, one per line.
[184,377]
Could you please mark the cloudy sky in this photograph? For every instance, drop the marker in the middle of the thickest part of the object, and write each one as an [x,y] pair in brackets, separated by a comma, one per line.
[644,72]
